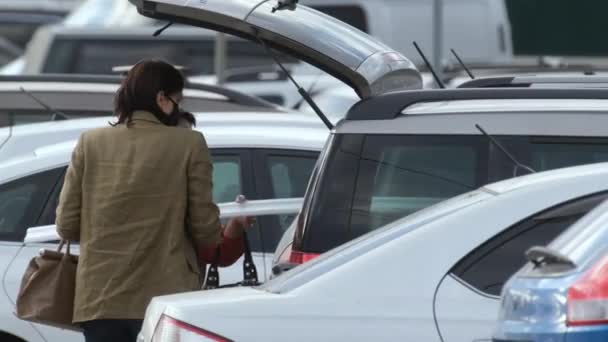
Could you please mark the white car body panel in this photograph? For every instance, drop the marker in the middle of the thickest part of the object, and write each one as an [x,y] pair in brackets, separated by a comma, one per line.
[222,131]
[331,294]
[227,210]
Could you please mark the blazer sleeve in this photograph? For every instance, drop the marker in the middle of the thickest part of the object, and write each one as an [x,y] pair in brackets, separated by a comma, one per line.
[224,254]
[70,199]
[202,216]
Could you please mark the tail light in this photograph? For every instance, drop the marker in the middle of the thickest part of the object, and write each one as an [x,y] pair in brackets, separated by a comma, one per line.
[588,297]
[289,256]
[171,330]
[296,257]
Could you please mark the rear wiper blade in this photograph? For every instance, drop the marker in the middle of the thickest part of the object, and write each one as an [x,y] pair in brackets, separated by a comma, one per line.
[541,256]
[57,115]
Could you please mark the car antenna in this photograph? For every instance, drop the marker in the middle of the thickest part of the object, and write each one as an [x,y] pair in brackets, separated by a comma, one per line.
[305,95]
[505,152]
[162,29]
[464,66]
[428,65]
[57,115]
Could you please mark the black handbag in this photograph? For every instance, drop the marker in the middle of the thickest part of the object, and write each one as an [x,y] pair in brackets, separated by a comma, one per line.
[250,273]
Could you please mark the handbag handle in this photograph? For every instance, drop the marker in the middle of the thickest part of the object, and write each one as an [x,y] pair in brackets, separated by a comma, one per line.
[250,273]
[62,243]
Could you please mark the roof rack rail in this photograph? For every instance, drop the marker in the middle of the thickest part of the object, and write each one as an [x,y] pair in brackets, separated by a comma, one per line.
[231,95]
[389,106]
[531,80]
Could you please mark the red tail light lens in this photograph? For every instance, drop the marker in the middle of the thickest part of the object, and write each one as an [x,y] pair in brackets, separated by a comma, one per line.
[294,257]
[301,257]
[171,330]
[588,297]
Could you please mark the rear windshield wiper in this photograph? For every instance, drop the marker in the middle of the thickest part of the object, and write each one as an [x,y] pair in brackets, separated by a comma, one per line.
[57,115]
[543,256]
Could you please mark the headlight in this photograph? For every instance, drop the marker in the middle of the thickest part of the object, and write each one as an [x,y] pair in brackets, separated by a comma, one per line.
[171,330]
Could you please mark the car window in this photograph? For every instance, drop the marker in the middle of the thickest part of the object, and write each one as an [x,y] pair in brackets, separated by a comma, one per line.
[370,180]
[489,266]
[100,56]
[227,184]
[546,153]
[22,201]
[289,176]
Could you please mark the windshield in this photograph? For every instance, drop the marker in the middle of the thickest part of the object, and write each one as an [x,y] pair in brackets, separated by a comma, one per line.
[371,180]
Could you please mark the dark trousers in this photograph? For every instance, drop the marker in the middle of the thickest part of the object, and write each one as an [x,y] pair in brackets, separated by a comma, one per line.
[111,330]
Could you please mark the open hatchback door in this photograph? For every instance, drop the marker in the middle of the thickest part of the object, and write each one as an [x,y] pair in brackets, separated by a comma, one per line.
[359,60]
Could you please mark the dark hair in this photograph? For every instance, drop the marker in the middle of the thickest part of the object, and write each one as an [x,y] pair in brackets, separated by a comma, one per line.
[141,85]
[189,117]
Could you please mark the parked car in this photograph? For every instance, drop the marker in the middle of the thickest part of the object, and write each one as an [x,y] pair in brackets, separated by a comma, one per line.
[96,50]
[259,155]
[432,276]
[560,294]
[76,96]
[480,29]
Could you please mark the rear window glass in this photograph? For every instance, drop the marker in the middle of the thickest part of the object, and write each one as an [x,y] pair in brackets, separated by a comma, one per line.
[100,56]
[372,180]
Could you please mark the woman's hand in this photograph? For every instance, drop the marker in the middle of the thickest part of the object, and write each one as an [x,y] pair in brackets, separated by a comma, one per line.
[237,225]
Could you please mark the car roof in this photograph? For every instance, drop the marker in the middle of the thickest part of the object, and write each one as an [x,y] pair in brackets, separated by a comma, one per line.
[390,106]
[94,85]
[237,130]
[545,81]
[501,111]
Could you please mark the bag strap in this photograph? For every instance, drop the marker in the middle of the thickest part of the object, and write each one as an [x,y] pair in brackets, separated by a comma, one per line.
[250,273]
[212,280]
[62,243]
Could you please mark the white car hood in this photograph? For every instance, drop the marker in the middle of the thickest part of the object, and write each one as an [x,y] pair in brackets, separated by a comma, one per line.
[361,61]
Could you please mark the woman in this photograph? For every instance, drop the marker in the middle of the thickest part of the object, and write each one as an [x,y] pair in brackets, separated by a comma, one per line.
[138,197]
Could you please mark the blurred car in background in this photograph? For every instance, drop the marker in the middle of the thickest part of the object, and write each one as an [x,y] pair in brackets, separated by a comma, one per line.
[76,50]
[479,29]
[42,98]
[561,293]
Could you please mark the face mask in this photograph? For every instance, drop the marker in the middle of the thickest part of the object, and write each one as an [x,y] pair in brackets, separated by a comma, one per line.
[175,115]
